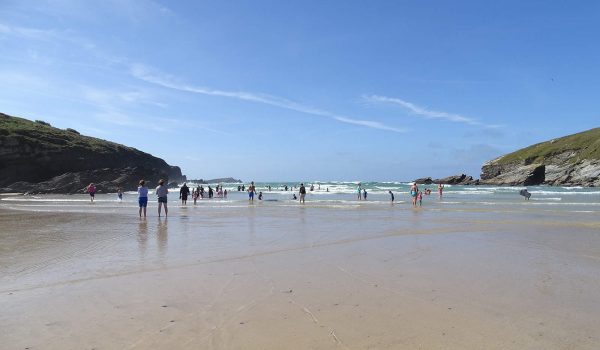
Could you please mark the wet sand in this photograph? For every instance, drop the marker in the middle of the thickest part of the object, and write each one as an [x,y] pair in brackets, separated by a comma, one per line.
[299,277]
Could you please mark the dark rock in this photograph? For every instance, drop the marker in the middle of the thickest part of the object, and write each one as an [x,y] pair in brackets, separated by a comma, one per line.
[106,180]
[461,179]
[424,181]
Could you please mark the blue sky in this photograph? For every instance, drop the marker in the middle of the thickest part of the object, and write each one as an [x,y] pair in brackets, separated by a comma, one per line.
[306,90]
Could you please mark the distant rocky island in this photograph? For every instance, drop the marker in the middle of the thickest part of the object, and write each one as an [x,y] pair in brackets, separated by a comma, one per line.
[38,158]
[221,180]
[572,160]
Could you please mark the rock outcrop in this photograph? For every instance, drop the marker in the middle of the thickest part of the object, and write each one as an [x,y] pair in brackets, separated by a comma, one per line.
[461,179]
[38,158]
[572,160]
[224,180]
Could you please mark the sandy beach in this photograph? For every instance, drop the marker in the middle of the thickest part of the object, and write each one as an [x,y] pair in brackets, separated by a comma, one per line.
[240,276]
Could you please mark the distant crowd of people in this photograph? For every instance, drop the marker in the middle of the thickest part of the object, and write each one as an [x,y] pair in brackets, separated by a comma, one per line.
[200,192]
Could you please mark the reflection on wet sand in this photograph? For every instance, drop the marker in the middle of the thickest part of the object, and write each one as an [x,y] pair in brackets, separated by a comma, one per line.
[300,277]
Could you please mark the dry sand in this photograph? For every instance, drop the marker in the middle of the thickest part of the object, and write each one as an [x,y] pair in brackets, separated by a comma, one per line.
[299,278]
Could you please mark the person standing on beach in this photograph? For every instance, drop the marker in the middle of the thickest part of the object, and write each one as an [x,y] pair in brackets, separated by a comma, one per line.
[251,190]
[120,193]
[420,198]
[183,193]
[359,191]
[302,193]
[364,193]
[391,195]
[414,190]
[440,189]
[91,189]
[142,197]
[161,192]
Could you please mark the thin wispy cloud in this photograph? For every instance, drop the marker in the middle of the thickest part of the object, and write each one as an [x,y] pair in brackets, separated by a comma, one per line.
[424,112]
[146,74]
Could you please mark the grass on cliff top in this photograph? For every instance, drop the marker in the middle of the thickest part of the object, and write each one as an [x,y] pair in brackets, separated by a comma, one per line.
[585,144]
[51,136]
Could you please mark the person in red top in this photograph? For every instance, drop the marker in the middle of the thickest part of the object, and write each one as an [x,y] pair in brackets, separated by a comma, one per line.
[91,189]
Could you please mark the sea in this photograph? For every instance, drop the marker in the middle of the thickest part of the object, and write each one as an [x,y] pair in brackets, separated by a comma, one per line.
[341,194]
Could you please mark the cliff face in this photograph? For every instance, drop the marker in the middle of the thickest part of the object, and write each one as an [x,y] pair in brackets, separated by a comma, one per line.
[572,160]
[35,157]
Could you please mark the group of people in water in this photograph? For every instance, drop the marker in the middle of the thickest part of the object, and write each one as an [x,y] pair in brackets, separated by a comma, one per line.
[200,192]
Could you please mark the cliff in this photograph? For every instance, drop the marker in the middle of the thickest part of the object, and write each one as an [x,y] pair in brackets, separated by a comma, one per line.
[38,158]
[572,160]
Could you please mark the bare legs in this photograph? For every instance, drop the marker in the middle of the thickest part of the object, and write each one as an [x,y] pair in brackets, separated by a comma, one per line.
[160,204]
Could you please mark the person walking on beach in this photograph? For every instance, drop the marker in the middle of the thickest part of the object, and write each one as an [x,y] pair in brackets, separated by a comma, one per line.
[91,190]
[414,190]
[391,195]
[142,197]
[302,193]
[120,193]
[161,192]
[440,189]
[251,190]
[183,193]
[359,191]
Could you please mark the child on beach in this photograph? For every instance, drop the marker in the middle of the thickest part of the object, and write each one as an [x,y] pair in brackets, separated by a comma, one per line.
[91,189]
[142,197]
[260,196]
[195,195]
[162,191]
[420,198]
